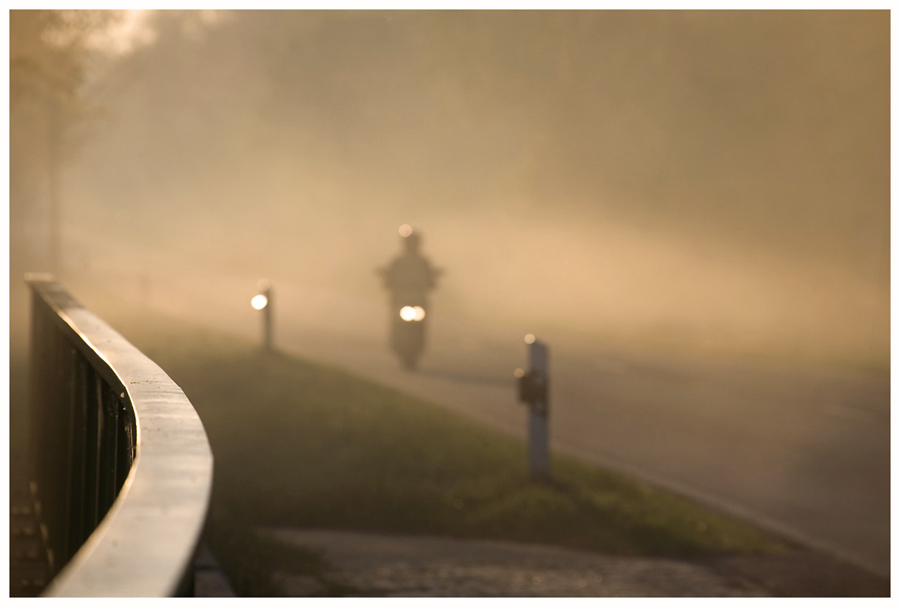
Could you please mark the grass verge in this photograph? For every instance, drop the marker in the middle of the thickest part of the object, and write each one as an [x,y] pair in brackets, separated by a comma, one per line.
[302,444]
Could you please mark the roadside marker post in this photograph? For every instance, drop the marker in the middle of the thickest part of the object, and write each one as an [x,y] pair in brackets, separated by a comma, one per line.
[533,390]
[263,303]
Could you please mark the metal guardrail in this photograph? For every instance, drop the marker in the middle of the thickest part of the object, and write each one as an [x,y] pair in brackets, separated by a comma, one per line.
[123,467]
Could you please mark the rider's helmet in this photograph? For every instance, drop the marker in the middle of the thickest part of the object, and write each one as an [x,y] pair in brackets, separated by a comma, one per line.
[411,238]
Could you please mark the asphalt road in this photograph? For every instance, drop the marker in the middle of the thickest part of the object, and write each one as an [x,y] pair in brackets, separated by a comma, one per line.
[800,451]
[805,452]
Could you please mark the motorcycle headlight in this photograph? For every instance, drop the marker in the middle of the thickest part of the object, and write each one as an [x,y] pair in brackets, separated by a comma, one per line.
[412,313]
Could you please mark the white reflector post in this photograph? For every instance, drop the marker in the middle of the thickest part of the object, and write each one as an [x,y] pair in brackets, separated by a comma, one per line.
[263,302]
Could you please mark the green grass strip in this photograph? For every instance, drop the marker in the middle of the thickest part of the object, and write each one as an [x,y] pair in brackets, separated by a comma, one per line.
[303,444]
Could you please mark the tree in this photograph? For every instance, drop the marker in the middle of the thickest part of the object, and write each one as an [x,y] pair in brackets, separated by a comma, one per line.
[49,55]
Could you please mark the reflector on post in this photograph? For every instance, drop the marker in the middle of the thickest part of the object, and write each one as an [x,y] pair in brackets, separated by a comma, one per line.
[259,302]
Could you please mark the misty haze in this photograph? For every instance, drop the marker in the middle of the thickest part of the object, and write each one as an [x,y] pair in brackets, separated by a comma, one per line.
[691,208]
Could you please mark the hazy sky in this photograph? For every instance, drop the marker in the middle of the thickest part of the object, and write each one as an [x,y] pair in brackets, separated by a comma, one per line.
[724,172]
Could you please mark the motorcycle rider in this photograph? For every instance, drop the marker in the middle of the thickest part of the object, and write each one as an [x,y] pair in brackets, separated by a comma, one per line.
[410,275]
[409,278]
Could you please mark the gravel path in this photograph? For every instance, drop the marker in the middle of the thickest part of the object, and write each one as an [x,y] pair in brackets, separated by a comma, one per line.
[403,566]
[413,566]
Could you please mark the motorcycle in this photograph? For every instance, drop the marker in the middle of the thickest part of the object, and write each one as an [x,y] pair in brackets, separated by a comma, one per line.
[408,333]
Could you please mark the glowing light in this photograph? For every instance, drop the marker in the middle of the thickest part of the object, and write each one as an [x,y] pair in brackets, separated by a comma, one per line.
[529,339]
[412,313]
[405,230]
[259,302]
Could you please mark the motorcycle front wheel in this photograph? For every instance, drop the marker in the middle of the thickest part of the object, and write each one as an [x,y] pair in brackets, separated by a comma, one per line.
[410,361]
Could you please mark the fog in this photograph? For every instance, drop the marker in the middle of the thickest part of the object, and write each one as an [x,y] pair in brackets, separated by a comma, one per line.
[716,181]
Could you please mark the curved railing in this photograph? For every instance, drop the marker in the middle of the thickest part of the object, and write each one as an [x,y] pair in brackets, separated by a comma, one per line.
[123,467]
